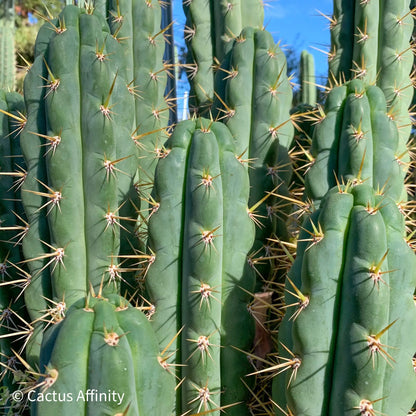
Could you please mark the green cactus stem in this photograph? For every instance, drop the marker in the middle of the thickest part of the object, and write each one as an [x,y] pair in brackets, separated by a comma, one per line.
[254,97]
[357,140]
[308,89]
[220,22]
[78,148]
[199,279]
[349,300]
[7,48]
[12,229]
[104,346]
[370,41]
[137,26]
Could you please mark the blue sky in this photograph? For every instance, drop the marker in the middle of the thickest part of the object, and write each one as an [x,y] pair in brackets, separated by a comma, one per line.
[298,23]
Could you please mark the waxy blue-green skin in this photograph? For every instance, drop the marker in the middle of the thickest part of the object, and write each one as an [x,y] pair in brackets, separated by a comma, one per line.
[210,30]
[75,92]
[349,305]
[357,141]
[76,348]
[208,192]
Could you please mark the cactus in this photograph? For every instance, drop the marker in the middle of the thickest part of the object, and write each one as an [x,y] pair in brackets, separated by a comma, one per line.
[78,149]
[198,277]
[136,25]
[7,49]
[305,103]
[102,347]
[370,41]
[356,139]
[220,22]
[95,155]
[254,97]
[308,92]
[347,331]
[38,289]
[12,228]
[171,60]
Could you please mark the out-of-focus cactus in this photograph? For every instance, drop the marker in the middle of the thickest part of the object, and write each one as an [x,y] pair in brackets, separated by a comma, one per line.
[199,279]
[210,30]
[308,91]
[7,48]
[347,339]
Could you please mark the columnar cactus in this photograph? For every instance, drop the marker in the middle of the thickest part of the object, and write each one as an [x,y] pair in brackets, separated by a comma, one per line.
[104,346]
[7,49]
[356,139]
[370,41]
[254,97]
[308,89]
[136,25]
[220,22]
[81,161]
[198,278]
[347,339]
[12,227]
[95,155]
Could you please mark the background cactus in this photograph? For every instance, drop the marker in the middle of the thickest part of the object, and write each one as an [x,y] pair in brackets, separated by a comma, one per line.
[199,279]
[308,88]
[370,41]
[220,22]
[7,49]
[254,97]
